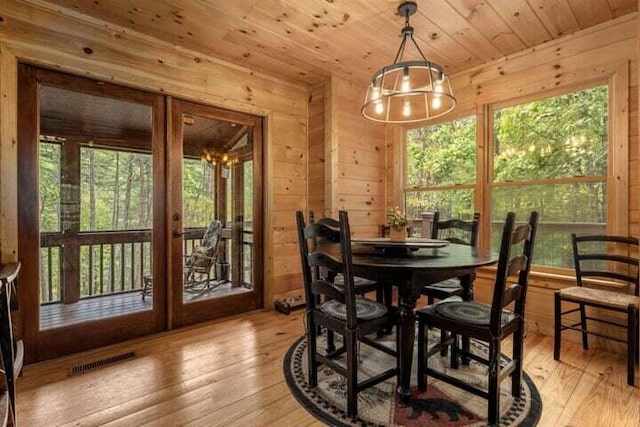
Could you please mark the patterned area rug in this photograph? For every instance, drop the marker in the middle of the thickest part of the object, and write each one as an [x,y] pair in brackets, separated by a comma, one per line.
[440,405]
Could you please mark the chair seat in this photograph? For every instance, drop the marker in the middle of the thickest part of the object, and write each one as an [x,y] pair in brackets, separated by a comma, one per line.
[469,312]
[598,296]
[358,282]
[446,284]
[442,290]
[365,309]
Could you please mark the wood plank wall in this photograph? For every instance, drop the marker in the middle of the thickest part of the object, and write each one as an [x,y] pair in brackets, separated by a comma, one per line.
[346,158]
[8,153]
[65,40]
[357,160]
[607,51]
[316,157]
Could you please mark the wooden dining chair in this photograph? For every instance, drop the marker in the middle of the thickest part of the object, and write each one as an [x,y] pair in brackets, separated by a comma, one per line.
[362,285]
[455,231]
[486,323]
[613,262]
[345,313]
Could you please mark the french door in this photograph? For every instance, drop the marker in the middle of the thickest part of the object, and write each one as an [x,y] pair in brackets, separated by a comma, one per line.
[137,212]
[91,203]
[214,211]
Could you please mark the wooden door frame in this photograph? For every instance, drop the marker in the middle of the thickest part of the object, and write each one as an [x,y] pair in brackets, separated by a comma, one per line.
[55,342]
[209,309]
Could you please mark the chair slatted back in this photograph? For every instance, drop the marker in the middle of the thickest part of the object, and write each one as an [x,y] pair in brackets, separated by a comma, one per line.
[328,235]
[596,257]
[308,274]
[314,258]
[347,269]
[320,285]
[452,229]
[212,234]
[321,234]
[330,222]
[509,265]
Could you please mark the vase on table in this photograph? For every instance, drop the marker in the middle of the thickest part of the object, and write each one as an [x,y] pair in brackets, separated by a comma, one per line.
[395,234]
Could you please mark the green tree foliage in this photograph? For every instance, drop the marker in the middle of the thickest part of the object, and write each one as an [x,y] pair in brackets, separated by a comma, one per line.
[198,193]
[441,155]
[558,137]
[553,138]
[110,184]
[49,174]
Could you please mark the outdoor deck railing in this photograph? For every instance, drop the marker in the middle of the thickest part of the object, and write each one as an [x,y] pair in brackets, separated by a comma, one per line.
[109,262]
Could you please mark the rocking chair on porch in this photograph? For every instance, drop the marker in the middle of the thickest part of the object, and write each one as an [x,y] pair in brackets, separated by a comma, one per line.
[198,264]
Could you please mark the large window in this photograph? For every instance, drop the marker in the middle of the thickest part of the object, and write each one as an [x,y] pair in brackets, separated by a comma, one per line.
[441,169]
[549,155]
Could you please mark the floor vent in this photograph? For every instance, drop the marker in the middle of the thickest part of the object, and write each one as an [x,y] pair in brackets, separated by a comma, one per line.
[81,369]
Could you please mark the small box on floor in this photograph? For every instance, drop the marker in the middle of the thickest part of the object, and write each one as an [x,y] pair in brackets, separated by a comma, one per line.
[288,304]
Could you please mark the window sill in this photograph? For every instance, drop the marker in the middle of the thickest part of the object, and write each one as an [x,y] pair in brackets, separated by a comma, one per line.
[554,280]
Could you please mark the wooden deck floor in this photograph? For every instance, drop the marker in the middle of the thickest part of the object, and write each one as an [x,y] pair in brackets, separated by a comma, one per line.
[56,315]
[229,373]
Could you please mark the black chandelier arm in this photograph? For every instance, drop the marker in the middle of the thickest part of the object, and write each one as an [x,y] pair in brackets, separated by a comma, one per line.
[400,52]
[418,48]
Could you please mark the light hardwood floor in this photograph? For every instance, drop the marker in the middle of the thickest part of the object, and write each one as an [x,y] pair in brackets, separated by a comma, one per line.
[229,373]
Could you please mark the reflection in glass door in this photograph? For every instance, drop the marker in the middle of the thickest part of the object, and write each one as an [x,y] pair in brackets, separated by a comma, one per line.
[213,219]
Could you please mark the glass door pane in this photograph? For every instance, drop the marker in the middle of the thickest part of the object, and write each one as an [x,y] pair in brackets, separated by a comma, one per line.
[95,206]
[214,164]
[213,232]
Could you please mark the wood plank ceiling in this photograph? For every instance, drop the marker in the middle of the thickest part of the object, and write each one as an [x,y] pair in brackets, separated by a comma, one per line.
[306,41]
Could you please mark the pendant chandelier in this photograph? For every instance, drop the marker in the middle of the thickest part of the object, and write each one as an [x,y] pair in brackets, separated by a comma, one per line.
[408,91]
[214,157]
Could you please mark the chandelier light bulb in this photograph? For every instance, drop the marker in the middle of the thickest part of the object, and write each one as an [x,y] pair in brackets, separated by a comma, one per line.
[436,102]
[406,110]
[406,84]
[375,92]
[379,108]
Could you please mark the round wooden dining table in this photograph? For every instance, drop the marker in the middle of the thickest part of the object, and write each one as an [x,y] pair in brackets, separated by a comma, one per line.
[410,267]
